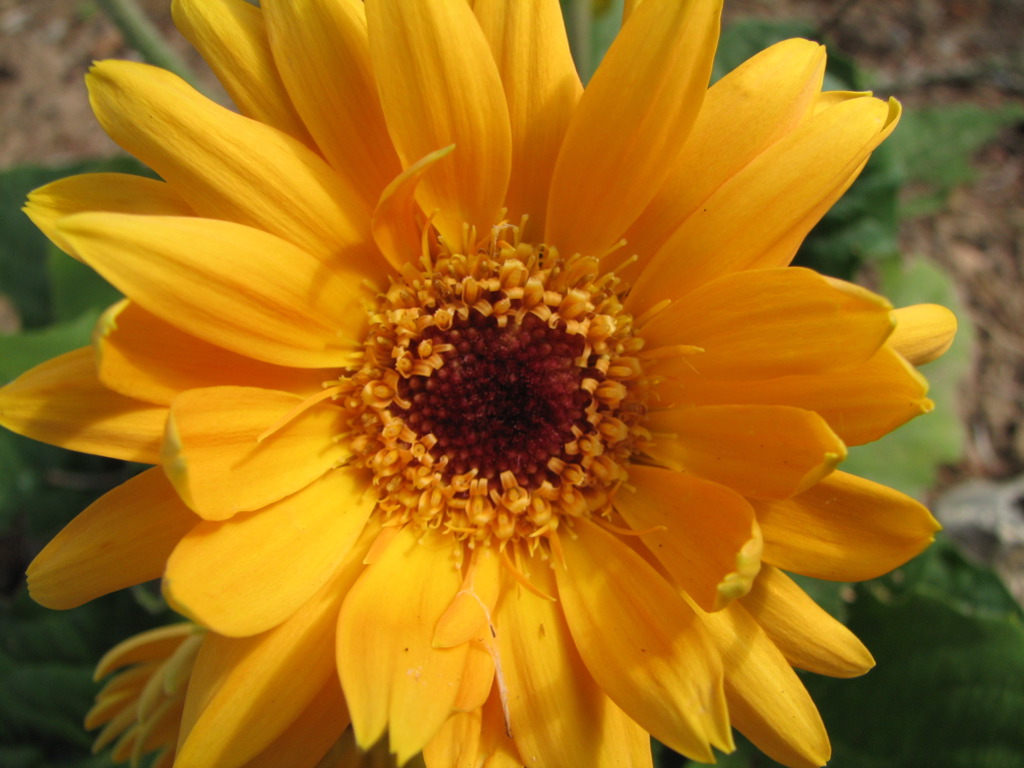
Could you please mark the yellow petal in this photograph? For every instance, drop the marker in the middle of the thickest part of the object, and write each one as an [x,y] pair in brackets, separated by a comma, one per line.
[558,715]
[703,534]
[145,358]
[122,539]
[314,732]
[248,574]
[230,167]
[631,122]
[745,112]
[109,706]
[112,192]
[216,463]
[477,679]
[923,332]
[392,675]
[232,37]
[457,744]
[806,634]
[773,322]
[845,528]
[323,53]
[130,681]
[227,720]
[759,216]
[767,702]
[156,644]
[860,403]
[397,227]
[541,88]
[61,402]
[439,85]
[469,617]
[231,285]
[768,451]
[641,642]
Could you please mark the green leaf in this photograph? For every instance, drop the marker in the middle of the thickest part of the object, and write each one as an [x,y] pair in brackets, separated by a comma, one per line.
[934,148]
[75,289]
[22,351]
[946,691]
[24,276]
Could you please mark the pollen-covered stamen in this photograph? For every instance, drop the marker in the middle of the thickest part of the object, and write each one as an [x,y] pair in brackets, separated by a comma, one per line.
[501,394]
[505,398]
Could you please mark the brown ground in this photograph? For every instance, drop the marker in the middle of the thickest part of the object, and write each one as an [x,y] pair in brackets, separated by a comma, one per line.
[925,52]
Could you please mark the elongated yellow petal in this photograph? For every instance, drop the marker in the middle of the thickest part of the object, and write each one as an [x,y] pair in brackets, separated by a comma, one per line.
[226,720]
[61,402]
[323,52]
[232,37]
[110,705]
[806,634]
[122,539]
[112,192]
[214,459]
[207,154]
[155,644]
[557,713]
[746,111]
[923,332]
[541,88]
[392,675]
[759,216]
[305,742]
[770,451]
[631,121]
[248,574]
[457,744]
[145,358]
[469,617]
[860,403]
[228,284]
[655,661]
[703,534]
[774,322]
[439,85]
[767,702]
[477,679]
[845,528]
[397,229]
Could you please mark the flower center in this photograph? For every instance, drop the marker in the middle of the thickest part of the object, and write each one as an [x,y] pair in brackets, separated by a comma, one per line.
[503,400]
[500,397]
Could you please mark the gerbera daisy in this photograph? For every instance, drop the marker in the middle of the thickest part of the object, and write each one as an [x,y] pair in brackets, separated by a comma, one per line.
[491,396]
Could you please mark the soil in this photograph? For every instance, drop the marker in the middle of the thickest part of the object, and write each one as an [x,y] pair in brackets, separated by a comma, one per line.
[924,52]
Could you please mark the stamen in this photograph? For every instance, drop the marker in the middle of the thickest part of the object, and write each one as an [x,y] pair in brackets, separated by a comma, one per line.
[521,578]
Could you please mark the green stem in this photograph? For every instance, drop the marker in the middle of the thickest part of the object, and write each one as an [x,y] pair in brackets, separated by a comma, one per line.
[578,17]
[143,36]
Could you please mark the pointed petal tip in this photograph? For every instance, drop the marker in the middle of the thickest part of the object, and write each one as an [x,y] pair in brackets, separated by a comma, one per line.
[923,332]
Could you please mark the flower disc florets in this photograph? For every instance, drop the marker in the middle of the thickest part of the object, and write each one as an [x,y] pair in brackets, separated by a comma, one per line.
[500,396]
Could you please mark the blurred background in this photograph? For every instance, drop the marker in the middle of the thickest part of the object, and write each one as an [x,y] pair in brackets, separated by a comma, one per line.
[937,216]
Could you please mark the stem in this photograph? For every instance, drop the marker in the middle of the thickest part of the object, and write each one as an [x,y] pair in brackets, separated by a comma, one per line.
[577,26]
[143,36]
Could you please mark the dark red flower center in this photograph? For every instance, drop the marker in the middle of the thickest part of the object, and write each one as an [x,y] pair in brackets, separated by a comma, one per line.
[506,399]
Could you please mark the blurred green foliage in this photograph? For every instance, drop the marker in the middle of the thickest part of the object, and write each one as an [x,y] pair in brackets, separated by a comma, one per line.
[948,639]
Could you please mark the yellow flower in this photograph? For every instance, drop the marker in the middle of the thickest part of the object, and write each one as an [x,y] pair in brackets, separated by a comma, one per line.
[142,709]
[491,396]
